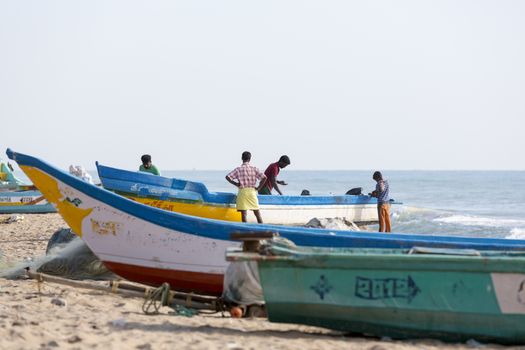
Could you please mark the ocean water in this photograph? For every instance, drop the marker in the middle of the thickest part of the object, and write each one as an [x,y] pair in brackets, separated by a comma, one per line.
[466,203]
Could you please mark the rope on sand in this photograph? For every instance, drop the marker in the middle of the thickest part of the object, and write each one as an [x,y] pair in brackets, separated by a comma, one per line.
[184,304]
[160,297]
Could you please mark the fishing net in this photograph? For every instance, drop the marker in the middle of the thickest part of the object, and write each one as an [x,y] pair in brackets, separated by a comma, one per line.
[242,284]
[71,258]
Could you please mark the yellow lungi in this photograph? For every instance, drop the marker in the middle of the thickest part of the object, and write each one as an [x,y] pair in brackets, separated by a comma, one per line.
[247,199]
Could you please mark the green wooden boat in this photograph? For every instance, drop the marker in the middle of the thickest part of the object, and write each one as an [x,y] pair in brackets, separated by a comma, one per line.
[452,295]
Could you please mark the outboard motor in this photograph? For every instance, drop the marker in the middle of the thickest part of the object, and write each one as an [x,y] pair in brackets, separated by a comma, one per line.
[356,191]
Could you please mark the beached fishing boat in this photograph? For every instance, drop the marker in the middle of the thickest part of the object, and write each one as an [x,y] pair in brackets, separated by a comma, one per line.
[24,202]
[8,180]
[19,197]
[193,198]
[150,245]
[453,295]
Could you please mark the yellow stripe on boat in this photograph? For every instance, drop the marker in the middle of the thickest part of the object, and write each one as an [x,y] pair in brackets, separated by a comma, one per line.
[49,188]
[193,209]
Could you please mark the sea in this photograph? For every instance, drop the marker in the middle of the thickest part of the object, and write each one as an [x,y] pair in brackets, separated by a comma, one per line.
[459,203]
[466,203]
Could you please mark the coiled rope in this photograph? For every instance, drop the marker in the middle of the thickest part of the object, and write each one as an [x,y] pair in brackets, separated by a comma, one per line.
[156,299]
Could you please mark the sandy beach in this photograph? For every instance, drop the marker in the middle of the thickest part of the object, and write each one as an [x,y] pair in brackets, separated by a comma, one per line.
[47,316]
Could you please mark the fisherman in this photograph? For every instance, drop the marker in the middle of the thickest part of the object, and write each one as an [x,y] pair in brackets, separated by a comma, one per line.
[383,202]
[146,165]
[271,176]
[246,177]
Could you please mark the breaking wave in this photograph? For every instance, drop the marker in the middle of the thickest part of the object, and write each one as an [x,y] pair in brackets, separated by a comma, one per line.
[517,233]
[479,221]
[443,222]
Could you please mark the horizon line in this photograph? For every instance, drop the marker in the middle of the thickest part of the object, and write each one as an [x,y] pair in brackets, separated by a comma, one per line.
[368,170]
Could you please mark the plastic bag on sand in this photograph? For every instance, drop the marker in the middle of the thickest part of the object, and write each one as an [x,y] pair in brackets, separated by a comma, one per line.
[242,284]
[13,218]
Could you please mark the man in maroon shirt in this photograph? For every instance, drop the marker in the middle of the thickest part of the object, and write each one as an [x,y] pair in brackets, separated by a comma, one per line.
[271,176]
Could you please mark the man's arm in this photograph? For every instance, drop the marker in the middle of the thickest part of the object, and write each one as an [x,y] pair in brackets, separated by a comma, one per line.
[261,183]
[274,183]
[375,193]
[236,184]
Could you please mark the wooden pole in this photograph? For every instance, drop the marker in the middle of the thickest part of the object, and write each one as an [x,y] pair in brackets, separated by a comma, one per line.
[190,300]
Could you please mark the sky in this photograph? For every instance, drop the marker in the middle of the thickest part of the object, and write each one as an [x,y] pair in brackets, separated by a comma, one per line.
[347,85]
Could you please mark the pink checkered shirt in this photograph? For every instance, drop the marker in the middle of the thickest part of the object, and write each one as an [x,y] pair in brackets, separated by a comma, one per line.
[247,175]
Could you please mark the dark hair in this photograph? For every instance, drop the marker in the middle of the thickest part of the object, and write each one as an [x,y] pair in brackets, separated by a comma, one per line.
[285,160]
[146,158]
[246,156]
[377,176]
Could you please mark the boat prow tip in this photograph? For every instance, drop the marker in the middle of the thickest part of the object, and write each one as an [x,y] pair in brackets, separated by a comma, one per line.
[10,153]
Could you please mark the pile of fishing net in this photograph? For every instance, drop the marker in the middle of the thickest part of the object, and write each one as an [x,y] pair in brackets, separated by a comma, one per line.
[68,256]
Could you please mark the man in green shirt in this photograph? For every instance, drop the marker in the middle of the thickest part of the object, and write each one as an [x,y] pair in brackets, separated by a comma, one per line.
[147,166]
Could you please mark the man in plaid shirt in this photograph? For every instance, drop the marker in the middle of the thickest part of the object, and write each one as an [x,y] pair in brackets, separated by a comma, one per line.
[245,178]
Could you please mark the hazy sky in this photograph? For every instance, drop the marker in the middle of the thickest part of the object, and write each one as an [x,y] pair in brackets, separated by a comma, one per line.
[333,84]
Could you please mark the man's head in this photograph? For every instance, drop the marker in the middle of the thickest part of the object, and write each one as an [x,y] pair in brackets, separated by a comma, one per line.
[377,176]
[246,156]
[146,160]
[284,161]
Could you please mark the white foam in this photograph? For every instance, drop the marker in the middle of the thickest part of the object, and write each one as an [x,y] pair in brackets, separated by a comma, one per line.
[408,209]
[479,221]
[517,233]
[405,214]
